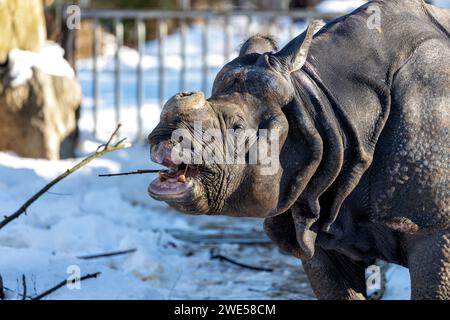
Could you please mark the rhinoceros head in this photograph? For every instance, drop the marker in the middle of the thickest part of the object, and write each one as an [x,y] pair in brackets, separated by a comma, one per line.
[234,153]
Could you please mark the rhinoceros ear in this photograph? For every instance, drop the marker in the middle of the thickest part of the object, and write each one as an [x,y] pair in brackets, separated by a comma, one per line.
[294,54]
[258,44]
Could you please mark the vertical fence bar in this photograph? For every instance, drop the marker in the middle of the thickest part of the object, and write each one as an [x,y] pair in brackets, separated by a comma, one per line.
[292,29]
[248,25]
[183,44]
[273,26]
[118,27]
[185,5]
[140,35]
[95,70]
[307,21]
[162,29]
[205,49]
[227,37]
[68,36]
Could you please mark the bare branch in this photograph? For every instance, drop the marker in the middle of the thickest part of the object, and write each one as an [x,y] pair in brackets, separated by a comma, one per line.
[62,284]
[58,194]
[108,254]
[130,173]
[102,150]
[14,292]
[112,137]
[172,289]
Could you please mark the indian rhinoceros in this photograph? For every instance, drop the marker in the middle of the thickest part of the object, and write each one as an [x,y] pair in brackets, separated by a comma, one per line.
[363,119]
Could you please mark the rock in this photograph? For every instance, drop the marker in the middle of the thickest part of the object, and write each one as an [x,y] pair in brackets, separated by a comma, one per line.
[38,115]
[38,119]
[22,26]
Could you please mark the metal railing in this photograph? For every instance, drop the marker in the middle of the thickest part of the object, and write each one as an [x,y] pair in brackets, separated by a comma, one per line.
[139,17]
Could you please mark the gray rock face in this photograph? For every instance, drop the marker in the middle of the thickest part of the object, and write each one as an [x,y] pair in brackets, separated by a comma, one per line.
[38,119]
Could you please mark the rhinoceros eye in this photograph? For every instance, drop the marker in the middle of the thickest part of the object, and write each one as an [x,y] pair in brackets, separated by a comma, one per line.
[238,126]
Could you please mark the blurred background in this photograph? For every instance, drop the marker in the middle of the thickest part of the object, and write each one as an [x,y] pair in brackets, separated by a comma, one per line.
[70,71]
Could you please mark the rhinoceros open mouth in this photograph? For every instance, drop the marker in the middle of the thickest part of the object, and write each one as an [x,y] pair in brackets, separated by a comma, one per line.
[175,183]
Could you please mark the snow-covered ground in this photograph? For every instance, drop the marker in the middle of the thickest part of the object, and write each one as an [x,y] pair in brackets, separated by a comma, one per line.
[85,214]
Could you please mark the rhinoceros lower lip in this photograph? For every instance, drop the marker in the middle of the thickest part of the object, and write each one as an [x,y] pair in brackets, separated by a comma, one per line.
[169,189]
[172,184]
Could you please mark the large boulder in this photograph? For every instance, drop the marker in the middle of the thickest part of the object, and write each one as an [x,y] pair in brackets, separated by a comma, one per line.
[39,95]
[38,119]
[22,26]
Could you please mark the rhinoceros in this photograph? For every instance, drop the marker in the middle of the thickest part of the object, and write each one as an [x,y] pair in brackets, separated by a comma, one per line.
[363,121]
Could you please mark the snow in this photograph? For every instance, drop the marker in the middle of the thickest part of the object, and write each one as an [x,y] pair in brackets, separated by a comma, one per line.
[339,6]
[442,3]
[49,60]
[85,214]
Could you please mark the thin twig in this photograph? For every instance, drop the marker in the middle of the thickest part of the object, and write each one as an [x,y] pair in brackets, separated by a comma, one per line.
[24,287]
[102,150]
[58,194]
[243,265]
[106,145]
[172,289]
[14,291]
[62,284]
[130,173]
[108,254]
[2,292]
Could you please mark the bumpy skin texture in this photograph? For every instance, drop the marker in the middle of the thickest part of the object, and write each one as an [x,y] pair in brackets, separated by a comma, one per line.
[395,96]
[365,146]
[399,210]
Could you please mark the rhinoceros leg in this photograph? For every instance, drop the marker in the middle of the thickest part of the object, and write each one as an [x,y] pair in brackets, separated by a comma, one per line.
[429,266]
[335,277]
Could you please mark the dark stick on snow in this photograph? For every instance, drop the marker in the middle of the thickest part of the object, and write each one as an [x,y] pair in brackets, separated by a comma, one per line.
[2,292]
[24,287]
[129,173]
[101,150]
[108,254]
[243,265]
[62,284]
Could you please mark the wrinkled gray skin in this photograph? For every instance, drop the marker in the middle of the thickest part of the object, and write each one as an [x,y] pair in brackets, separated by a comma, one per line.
[365,157]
